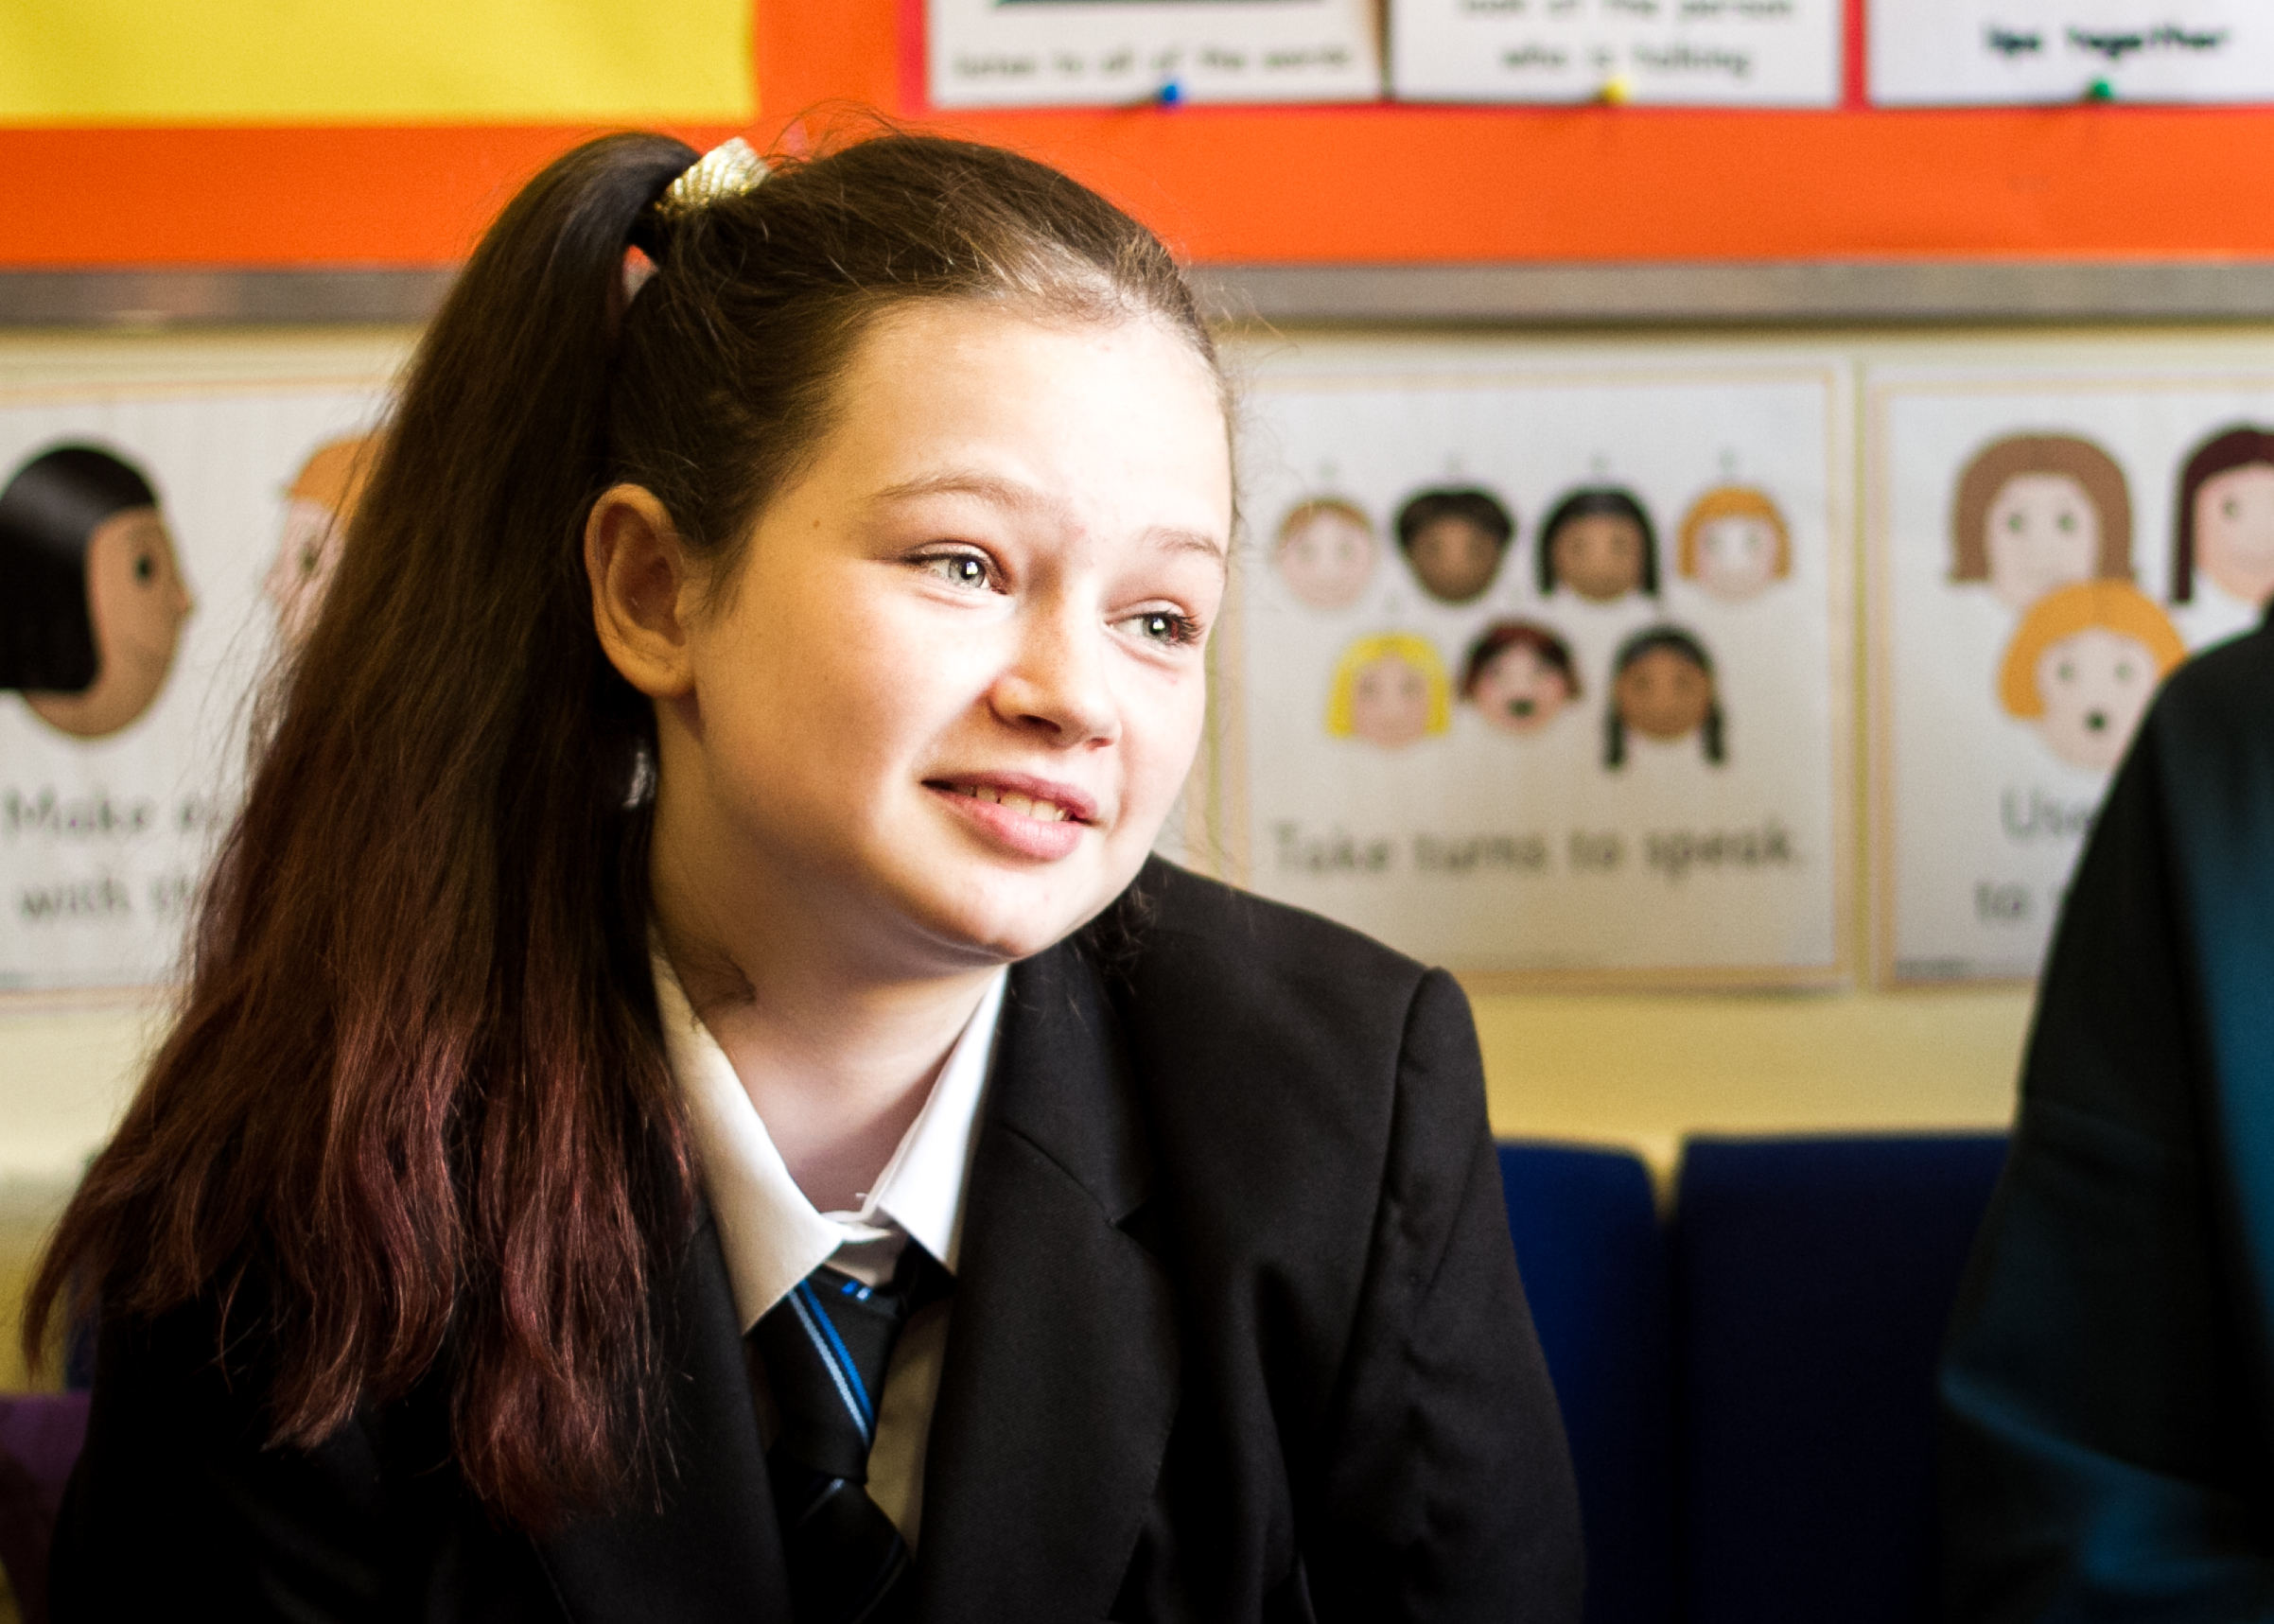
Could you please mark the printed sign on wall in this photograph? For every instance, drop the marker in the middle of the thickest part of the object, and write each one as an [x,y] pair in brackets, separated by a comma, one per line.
[2044,551]
[1956,52]
[158,544]
[1538,669]
[1735,53]
[1064,53]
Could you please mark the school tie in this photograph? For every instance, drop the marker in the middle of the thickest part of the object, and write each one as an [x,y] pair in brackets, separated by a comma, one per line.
[824,1349]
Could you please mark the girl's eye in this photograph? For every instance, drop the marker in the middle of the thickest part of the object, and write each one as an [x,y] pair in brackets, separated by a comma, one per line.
[1163,626]
[959,569]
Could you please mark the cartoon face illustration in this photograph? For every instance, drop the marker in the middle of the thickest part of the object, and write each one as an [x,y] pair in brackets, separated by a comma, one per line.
[316,511]
[1519,675]
[1663,687]
[2226,521]
[94,602]
[1598,542]
[2083,665]
[1325,552]
[2036,513]
[1734,542]
[1455,540]
[1388,691]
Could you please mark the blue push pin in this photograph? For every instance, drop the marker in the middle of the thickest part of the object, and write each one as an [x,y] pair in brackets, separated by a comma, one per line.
[1172,94]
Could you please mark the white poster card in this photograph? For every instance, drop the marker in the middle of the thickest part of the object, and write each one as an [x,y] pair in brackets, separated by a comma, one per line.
[1066,53]
[1728,53]
[1966,52]
[108,811]
[1615,758]
[2044,549]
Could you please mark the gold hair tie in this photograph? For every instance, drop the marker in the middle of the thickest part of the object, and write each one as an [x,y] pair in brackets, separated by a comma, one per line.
[726,170]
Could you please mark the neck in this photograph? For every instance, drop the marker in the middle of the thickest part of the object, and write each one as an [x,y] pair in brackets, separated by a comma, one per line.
[837,1055]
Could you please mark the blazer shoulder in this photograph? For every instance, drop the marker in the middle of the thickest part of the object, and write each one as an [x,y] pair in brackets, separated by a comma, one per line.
[1251,952]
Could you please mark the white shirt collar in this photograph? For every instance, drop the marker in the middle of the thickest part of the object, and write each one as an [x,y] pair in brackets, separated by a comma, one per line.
[772,1235]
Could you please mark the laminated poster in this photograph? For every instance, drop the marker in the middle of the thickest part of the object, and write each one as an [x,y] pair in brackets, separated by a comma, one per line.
[2044,551]
[1730,53]
[1064,53]
[160,545]
[1540,670]
[1958,52]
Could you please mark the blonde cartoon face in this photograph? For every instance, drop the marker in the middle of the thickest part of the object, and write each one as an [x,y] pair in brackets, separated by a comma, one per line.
[2234,531]
[1389,702]
[2095,685]
[2042,532]
[1325,554]
[1389,689]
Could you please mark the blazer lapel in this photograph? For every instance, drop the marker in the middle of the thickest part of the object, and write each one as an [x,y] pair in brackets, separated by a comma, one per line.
[1062,1375]
[711,1548]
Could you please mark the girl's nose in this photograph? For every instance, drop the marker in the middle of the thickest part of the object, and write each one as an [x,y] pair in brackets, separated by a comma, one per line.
[1057,683]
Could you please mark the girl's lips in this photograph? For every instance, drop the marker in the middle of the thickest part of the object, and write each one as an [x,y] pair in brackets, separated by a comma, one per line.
[1028,825]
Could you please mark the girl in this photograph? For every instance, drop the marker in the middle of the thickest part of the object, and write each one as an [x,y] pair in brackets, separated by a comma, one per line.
[693,1102]
[1389,689]
[2035,512]
[1597,541]
[1519,675]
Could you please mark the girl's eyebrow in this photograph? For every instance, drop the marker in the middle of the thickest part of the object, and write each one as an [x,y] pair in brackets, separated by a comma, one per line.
[1009,494]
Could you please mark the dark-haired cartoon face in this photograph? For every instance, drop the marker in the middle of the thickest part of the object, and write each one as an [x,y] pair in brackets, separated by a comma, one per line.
[137,602]
[2044,533]
[1455,558]
[1517,691]
[1598,555]
[1663,694]
[2235,530]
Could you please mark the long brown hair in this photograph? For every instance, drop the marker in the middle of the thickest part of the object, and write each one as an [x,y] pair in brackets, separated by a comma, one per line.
[415,1113]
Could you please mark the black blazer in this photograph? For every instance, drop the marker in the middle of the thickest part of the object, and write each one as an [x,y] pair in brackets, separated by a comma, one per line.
[1237,1336]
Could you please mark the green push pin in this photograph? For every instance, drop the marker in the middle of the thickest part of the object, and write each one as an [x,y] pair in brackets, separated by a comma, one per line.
[2100,90]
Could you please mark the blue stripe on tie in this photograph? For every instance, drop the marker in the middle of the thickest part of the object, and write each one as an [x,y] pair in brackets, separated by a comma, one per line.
[834,1354]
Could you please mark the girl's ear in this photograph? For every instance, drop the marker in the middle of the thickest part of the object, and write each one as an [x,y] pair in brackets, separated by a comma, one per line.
[644,588]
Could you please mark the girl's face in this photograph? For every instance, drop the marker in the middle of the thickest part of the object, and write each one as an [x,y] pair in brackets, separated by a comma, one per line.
[2044,532]
[1598,555]
[2234,531]
[137,602]
[1737,555]
[955,683]
[2096,686]
[1326,559]
[1388,702]
[1664,695]
[1519,692]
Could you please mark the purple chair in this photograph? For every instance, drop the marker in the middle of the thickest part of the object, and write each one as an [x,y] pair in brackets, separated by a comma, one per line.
[40,1439]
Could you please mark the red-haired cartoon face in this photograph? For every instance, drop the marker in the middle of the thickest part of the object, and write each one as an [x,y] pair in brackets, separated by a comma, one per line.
[1738,555]
[2044,533]
[1519,692]
[2235,530]
[2096,685]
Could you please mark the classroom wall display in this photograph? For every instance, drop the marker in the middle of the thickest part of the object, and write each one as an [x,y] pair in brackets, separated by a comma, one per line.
[1962,52]
[1064,53]
[1536,668]
[2045,547]
[1695,52]
[166,528]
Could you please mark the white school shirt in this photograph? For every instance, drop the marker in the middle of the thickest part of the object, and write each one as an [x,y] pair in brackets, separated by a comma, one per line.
[773,1237]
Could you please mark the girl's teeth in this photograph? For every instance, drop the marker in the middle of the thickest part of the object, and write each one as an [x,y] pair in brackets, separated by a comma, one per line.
[1010,801]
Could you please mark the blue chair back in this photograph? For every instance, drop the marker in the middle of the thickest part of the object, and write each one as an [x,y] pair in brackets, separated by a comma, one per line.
[1812,1281]
[1593,1253]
